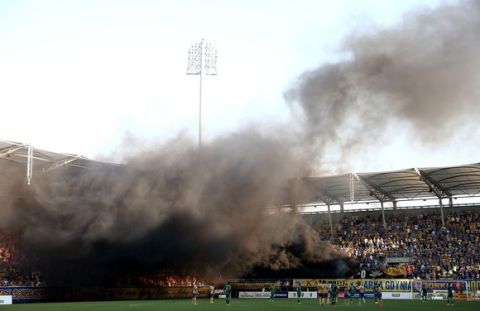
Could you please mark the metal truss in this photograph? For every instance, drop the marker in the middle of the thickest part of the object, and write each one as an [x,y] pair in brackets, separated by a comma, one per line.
[375,191]
[434,186]
[61,163]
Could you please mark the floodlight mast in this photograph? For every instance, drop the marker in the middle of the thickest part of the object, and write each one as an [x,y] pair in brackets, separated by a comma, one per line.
[29,164]
[202,60]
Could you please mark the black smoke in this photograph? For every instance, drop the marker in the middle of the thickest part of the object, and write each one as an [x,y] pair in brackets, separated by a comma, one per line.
[420,76]
[220,209]
[211,211]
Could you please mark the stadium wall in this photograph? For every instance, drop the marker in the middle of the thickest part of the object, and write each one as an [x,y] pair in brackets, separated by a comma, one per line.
[396,287]
[44,294]
[387,285]
[48,294]
[391,288]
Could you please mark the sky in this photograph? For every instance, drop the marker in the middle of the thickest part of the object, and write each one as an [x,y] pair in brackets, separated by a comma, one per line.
[83,77]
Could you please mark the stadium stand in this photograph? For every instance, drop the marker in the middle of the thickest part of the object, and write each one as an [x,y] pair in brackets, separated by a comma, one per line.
[432,250]
[169,279]
[434,243]
[14,157]
[14,267]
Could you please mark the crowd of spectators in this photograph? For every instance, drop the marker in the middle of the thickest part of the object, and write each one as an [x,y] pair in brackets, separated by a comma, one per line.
[12,264]
[164,278]
[15,270]
[435,251]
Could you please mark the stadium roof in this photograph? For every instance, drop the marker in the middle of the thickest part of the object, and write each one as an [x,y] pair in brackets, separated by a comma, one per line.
[43,160]
[408,184]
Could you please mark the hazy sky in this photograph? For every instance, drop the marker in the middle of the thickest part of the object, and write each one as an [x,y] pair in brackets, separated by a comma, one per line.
[77,76]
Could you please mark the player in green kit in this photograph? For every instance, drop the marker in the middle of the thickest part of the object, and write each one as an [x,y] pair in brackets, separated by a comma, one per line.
[450,295]
[351,292]
[424,293]
[272,292]
[228,293]
[333,293]
[298,289]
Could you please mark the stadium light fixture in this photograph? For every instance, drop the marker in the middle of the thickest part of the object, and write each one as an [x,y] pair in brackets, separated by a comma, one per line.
[202,60]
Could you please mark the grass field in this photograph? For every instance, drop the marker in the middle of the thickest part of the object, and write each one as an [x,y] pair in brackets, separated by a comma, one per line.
[238,304]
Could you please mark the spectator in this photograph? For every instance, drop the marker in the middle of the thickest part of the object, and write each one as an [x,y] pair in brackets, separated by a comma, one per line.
[436,251]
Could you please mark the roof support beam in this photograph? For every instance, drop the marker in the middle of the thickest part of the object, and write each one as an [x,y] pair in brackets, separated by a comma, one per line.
[375,191]
[333,199]
[383,215]
[435,187]
[321,194]
[325,198]
[442,215]
[60,163]
[330,220]
[9,150]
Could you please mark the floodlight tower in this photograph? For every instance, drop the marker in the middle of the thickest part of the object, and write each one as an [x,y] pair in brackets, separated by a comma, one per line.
[202,60]
[29,164]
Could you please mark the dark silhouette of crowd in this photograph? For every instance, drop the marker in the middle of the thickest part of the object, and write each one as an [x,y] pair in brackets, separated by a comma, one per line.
[14,267]
[163,278]
[435,251]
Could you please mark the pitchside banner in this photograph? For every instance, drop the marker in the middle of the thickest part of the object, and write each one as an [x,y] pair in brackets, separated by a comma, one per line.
[6,300]
[27,294]
[396,295]
[311,295]
[387,285]
[439,288]
[262,295]
[254,285]
[458,286]
[474,286]
[35,294]
[266,295]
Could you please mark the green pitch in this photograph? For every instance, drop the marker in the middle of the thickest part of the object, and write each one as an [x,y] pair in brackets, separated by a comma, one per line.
[238,305]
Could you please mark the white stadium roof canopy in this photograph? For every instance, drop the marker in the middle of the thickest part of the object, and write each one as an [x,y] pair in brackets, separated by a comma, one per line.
[351,189]
[413,183]
[43,160]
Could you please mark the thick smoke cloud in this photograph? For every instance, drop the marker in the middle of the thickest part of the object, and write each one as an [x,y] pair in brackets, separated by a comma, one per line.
[422,74]
[209,212]
[217,210]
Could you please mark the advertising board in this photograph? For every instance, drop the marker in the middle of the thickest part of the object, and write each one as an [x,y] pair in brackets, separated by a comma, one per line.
[308,295]
[396,295]
[6,300]
[261,295]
